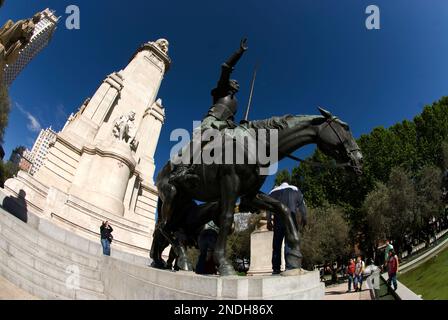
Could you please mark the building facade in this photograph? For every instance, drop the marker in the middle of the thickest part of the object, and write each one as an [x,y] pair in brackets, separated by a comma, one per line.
[26,162]
[40,149]
[42,35]
[16,155]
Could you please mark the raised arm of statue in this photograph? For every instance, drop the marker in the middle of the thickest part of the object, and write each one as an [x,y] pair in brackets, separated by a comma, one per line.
[228,66]
[232,61]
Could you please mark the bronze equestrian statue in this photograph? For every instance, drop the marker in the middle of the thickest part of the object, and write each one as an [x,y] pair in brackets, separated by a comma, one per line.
[219,186]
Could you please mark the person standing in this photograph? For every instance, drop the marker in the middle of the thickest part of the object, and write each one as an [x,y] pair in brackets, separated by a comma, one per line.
[392,269]
[389,247]
[106,237]
[206,243]
[359,270]
[351,274]
[292,198]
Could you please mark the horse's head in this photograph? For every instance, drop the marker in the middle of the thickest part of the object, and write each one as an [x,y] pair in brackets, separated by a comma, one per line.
[336,141]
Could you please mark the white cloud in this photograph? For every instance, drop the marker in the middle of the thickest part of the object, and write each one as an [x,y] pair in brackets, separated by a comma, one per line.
[33,124]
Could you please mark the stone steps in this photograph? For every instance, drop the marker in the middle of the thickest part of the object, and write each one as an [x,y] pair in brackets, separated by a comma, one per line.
[40,284]
[38,259]
[42,266]
[42,246]
[27,285]
[35,255]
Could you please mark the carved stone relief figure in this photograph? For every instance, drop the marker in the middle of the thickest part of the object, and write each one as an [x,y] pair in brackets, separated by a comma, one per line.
[124,129]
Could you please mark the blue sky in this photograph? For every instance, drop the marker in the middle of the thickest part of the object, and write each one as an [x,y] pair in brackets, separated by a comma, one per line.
[310,53]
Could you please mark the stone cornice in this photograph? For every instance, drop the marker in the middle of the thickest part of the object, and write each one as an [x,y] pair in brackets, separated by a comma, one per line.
[157,111]
[158,115]
[159,53]
[115,80]
[62,140]
[92,150]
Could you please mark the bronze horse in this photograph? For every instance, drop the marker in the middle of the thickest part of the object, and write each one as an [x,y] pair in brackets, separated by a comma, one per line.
[220,185]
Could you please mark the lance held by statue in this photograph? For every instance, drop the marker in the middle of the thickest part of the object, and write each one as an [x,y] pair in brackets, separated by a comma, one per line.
[220,185]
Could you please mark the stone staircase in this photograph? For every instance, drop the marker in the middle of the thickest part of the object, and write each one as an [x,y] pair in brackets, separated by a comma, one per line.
[44,266]
[51,262]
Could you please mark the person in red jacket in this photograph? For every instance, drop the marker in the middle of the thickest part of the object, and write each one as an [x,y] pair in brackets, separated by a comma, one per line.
[392,269]
[350,274]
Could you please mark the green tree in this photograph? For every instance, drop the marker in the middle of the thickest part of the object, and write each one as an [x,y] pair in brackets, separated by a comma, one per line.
[282,176]
[7,171]
[444,154]
[431,132]
[326,236]
[402,210]
[429,192]
[377,211]
[238,243]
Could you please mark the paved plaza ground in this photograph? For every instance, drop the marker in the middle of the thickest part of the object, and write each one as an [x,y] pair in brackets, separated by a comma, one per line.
[338,292]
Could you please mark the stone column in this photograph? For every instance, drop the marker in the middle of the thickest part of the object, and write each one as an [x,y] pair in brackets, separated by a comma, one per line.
[148,135]
[101,103]
[90,118]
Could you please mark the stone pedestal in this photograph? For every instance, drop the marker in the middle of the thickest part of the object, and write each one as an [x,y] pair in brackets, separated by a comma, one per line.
[114,163]
[123,281]
[261,251]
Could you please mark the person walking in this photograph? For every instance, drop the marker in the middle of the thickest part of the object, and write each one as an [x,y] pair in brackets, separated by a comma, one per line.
[359,270]
[106,237]
[292,198]
[392,269]
[351,274]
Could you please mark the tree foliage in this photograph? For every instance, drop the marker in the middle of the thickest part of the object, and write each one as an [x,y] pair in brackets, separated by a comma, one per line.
[7,171]
[282,176]
[326,236]
[404,205]
[238,243]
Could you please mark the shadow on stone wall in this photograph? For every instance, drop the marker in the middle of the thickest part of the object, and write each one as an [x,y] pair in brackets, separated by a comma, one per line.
[17,206]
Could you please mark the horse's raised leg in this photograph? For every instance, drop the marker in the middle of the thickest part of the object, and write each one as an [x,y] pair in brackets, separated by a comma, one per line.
[229,186]
[265,202]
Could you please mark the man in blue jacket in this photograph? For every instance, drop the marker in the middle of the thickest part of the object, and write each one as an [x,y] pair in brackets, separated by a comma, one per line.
[291,197]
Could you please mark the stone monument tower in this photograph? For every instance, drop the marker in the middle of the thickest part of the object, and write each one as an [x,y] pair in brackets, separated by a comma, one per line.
[101,165]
